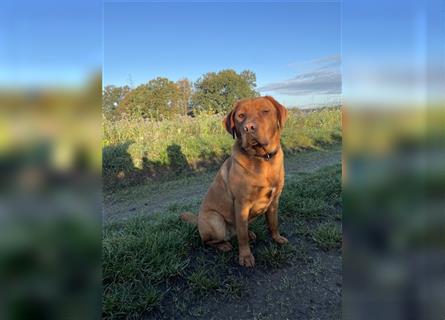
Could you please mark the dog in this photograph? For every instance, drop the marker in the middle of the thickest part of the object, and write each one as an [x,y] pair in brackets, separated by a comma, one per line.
[249,183]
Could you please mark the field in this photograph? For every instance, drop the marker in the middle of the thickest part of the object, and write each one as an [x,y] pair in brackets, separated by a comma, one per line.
[140,151]
[154,265]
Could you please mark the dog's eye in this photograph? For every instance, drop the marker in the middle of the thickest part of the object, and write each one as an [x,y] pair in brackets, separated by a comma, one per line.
[266,111]
[241,115]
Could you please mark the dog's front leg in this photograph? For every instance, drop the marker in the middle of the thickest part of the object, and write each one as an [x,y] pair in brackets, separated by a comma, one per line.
[272,223]
[242,216]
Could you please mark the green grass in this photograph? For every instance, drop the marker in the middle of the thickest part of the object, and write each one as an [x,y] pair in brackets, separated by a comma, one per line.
[150,262]
[314,196]
[140,150]
[232,287]
[273,255]
[328,236]
[202,281]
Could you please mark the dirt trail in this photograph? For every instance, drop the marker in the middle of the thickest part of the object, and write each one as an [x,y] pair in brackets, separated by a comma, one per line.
[156,197]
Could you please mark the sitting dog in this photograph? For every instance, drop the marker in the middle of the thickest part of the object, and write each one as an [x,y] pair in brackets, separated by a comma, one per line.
[249,183]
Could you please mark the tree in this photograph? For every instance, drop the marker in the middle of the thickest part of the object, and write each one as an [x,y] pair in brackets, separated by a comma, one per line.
[217,92]
[250,77]
[185,91]
[159,98]
[111,98]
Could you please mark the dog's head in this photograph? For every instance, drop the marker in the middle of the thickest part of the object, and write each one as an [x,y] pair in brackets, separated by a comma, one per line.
[257,122]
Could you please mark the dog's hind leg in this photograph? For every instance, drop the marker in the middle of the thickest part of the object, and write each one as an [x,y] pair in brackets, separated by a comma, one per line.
[213,230]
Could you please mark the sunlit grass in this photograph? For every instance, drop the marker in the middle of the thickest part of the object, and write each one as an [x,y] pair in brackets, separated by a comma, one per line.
[144,146]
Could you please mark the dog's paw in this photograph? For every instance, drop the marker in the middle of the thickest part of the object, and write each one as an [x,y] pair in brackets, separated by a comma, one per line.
[280,239]
[224,246]
[252,236]
[247,260]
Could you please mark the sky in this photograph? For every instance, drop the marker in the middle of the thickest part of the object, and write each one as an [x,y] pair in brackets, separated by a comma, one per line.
[393,52]
[303,53]
[294,48]
[49,42]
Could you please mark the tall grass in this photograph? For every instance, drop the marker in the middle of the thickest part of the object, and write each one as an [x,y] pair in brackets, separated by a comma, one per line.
[151,148]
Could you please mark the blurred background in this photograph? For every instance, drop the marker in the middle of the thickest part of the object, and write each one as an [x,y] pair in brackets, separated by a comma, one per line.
[50,98]
[393,61]
[393,159]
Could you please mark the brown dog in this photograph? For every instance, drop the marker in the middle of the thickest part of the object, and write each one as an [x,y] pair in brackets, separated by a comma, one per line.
[249,183]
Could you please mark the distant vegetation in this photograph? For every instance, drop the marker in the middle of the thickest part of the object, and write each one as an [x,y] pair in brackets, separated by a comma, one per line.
[162,98]
[140,150]
[163,128]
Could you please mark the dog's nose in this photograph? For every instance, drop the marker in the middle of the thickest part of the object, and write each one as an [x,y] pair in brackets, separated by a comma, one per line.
[250,127]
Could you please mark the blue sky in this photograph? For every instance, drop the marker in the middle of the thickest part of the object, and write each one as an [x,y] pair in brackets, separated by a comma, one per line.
[49,43]
[390,50]
[294,48]
[393,52]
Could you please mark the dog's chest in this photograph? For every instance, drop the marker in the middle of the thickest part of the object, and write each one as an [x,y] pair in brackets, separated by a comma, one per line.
[263,201]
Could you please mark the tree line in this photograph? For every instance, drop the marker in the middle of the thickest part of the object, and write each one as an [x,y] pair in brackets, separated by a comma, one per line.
[161,98]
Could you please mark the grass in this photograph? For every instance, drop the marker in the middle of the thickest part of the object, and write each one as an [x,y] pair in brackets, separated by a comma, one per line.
[155,264]
[272,255]
[202,281]
[328,236]
[320,193]
[232,287]
[137,150]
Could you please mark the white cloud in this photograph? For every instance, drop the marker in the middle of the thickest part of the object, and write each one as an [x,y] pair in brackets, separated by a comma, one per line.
[332,60]
[323,77]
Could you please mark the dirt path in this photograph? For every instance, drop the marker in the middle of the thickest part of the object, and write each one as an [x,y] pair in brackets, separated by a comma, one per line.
[157,197]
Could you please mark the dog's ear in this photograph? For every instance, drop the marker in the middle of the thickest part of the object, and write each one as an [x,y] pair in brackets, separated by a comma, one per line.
[281,111]
[229,122]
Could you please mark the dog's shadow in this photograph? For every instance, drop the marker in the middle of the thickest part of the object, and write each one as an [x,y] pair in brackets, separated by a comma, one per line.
[119,167]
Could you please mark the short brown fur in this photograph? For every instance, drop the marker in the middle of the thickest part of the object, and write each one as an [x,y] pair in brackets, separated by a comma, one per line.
[249,183]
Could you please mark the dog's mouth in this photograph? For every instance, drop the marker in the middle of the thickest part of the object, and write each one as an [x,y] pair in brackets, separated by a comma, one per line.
[258,147]
[256,143]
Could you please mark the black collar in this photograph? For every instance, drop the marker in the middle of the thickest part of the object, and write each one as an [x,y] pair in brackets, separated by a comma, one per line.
[267,157]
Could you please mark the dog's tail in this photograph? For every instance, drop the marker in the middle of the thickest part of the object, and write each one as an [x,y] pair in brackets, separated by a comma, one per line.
[189,217]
